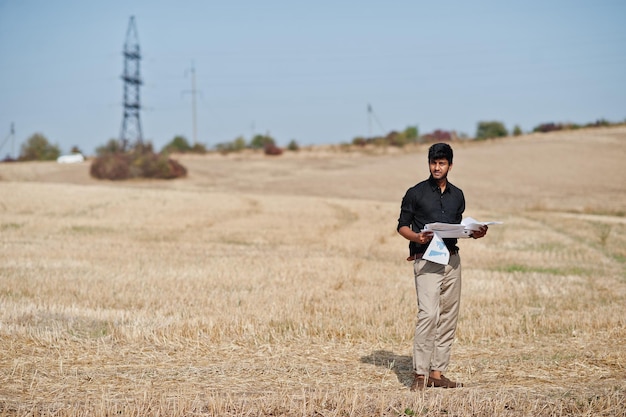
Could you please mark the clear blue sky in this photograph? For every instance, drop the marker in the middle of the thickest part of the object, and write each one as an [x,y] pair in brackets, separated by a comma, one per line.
[308,70]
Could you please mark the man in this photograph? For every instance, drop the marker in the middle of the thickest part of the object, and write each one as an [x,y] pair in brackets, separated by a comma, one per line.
[438,286]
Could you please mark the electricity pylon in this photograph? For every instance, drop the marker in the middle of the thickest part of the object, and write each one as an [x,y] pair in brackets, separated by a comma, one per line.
[131,123]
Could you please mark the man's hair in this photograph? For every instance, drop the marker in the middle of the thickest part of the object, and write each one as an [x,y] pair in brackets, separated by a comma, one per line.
[440,151]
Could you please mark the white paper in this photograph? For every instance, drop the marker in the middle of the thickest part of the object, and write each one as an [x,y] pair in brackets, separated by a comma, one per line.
[446,230]
[472,224]
[462,230]
[437,251]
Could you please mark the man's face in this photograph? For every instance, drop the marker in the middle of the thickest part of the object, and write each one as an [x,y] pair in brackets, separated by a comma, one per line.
[439,168]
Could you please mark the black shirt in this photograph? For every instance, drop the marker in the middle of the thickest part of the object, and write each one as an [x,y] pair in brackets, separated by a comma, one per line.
[425,203]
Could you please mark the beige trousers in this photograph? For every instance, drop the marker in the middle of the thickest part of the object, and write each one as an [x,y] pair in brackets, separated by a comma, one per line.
[438,296]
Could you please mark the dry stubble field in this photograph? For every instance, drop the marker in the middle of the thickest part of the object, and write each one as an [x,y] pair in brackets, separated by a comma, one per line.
[278,286]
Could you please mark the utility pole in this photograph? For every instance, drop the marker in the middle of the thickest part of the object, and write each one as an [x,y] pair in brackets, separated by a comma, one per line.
[193,103]
[369,120]
[131,123]
[372,116]
[12,137]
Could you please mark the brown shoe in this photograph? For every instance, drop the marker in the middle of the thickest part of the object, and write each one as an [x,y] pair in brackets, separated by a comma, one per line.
[418,383]
[443,382]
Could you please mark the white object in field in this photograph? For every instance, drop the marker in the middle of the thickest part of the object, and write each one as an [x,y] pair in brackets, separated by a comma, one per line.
[74,158]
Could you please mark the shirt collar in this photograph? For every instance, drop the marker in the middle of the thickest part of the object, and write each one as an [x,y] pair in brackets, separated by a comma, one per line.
[433,184]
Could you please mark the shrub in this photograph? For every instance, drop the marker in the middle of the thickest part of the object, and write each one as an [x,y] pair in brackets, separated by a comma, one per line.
[438,136]
[239,143]
[271,149]
[293,146]
[139,162]
[551,127]
[110,166]
[259,141]
[517,131]
[37,148]
[599,123]
[548,127]
[112,146]
[236,145]
[178,144]
[398,139]
[411,133]
[198,148]
[393,138]
[225,147]
[492,129]
[359,141]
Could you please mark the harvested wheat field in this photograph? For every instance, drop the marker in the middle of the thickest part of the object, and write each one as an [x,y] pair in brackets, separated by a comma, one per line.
[278,286]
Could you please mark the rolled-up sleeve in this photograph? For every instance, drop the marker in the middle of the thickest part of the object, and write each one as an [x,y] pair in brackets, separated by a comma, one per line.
[407,211]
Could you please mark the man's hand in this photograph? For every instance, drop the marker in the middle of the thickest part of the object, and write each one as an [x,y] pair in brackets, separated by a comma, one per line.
[424,237]
[477,234]
[417,237]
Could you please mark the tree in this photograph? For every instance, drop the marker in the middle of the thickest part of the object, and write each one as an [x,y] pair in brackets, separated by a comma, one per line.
[398,139]
[261,141]
[37,148]
[239,143]
[359,141]
[492,129]
[411,133]
[178,144]
[198,148]
[293,145]
[517,131]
